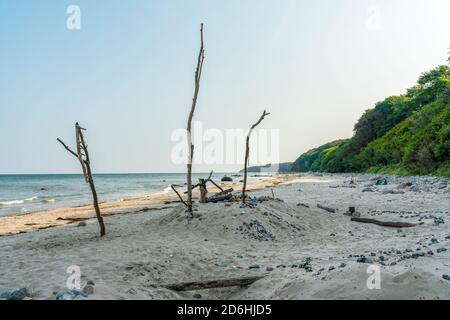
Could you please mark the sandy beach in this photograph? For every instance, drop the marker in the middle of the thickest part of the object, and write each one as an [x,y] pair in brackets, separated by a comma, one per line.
[301,251]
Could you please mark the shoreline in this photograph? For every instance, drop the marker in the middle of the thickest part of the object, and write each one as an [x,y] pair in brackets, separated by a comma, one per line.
[44,219]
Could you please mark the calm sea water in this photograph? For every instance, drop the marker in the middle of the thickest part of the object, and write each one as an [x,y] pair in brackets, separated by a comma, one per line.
[28,193]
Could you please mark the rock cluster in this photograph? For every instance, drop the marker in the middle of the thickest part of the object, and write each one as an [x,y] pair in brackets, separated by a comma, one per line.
[254,229]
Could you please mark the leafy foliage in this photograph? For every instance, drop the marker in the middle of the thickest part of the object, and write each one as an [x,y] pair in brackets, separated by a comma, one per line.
[406,134]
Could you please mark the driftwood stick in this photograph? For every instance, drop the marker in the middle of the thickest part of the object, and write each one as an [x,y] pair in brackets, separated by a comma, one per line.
[215,198]
[385,223]
[86,164]
[326,208]
[247,152]
[179,196]
[224,192]
[208,284]
[198,73]
[82,155]
[217,186]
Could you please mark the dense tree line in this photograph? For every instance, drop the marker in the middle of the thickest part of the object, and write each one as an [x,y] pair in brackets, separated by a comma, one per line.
[406,134]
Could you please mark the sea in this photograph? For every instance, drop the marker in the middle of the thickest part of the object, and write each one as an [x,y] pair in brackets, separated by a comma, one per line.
[30,193]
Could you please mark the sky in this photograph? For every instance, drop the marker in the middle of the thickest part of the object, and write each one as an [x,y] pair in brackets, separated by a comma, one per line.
[127,75]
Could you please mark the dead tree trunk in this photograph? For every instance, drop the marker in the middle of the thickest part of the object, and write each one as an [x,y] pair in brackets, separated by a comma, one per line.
[247,151]
[198,73]
[82,155]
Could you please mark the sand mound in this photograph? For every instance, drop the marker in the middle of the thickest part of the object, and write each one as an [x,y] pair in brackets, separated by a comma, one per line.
[271,220]
[351,283]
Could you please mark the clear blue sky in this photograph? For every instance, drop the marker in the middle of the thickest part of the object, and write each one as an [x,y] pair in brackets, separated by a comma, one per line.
[127,75]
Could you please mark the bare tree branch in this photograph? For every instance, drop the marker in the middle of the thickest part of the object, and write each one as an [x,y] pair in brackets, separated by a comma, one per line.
[247,151]
[82,155]
[67,148]
[198,73]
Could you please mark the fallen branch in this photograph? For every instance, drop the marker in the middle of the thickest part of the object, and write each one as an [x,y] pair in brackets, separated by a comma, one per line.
[221,196]
[220,283]
[384,223]
[224,197]
[223,192]
[326,208]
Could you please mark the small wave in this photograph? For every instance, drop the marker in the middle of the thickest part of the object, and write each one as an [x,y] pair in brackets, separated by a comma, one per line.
[12,202]
[48,200]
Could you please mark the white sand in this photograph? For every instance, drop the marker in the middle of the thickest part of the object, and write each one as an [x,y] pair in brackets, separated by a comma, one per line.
[143,250]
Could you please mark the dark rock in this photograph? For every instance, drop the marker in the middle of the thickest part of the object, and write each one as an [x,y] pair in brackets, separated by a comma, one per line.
[197,296]
[88,289]
[269,269]
[381,182]
[19,294]
[16,295]
[227,179]
[446,277]
[405,185]
[81,224]
[253,266]
[364,259]
[342,265]
[441,250]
